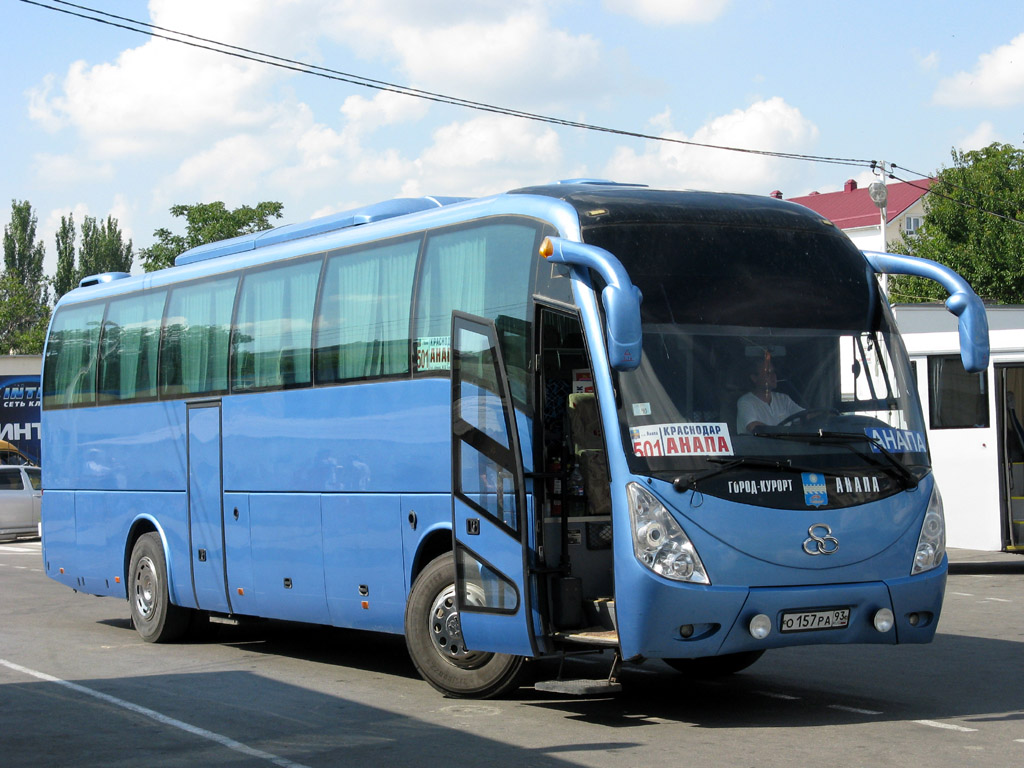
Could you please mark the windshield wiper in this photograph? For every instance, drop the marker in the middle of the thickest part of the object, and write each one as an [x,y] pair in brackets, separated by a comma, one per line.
[689,482]
[892,466]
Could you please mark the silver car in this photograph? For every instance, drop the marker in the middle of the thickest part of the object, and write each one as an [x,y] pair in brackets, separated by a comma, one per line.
[21,490]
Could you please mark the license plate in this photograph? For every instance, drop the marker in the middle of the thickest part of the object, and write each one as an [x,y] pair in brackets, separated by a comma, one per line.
[809,621]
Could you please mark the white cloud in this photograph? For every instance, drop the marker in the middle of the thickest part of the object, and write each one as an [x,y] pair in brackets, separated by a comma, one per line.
[493,52]
[68,169]
[385,108]
[162,94]
[996,81]
[656,12]
[928,61]
[983,135]
[770,125]
[485,155]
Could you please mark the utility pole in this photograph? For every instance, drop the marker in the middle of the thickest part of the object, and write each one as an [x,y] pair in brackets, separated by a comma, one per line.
[880,196]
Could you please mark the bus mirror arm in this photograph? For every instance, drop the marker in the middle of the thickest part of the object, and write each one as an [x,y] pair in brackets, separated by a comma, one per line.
[962,302]
[620,298]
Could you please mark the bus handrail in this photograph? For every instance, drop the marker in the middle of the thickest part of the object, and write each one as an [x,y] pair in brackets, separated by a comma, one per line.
[620,297]
[972,322]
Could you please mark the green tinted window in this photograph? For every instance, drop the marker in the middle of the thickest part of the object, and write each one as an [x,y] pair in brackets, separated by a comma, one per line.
[69,371]
[128,348]
[273,328]
[194,343]
[363,325]
[483,270]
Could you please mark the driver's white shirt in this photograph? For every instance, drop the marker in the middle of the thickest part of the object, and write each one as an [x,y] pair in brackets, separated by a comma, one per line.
[751,408]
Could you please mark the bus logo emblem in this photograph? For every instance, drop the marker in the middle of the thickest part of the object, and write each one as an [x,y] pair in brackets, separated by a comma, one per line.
[820,543]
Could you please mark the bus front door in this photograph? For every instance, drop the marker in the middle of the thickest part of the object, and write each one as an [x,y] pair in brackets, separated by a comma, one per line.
[490,506]
[206,507]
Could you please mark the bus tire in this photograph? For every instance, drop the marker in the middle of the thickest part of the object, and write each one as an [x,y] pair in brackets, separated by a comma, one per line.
[153,615]
[433,637]
[711,667]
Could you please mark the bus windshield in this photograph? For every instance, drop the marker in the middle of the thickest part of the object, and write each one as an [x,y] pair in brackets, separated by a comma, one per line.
[764,372]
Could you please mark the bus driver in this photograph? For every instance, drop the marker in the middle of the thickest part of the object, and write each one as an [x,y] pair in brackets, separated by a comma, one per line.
[762,405]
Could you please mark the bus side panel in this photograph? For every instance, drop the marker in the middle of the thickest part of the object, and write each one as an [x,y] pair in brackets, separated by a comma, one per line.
[238,553]
[90,449]
[363,564]
[99,516]
[381,437]
[288,557]
[59,556]
[427,515]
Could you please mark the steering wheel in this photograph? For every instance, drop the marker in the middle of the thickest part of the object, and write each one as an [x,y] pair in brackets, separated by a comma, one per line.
[807,415]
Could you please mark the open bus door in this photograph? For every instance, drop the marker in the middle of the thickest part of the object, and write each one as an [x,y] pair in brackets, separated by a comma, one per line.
[490,507]
[1010,393]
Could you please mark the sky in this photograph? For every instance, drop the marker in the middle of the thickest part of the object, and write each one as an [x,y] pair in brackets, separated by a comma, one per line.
[102,121]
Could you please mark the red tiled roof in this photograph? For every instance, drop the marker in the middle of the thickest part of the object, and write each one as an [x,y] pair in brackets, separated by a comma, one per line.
[855,208]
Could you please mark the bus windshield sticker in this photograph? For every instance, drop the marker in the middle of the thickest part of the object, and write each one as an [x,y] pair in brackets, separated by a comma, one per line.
[582,380]
[689,439]
[897,440]
[815,491]
[641,409]
[433,353]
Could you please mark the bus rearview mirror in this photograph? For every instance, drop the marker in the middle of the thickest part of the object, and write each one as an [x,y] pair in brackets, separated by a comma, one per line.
[620,298]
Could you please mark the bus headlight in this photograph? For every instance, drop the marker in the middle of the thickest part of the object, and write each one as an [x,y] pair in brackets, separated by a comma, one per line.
[659,542]
[931,544]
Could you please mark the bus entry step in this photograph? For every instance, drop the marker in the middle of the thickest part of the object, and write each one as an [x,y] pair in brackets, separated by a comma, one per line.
[578,687]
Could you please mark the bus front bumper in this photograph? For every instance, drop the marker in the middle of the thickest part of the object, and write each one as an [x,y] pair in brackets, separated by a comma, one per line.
[691,622]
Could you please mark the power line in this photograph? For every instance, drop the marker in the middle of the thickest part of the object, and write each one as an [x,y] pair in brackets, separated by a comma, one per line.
[249,54]
[932,190]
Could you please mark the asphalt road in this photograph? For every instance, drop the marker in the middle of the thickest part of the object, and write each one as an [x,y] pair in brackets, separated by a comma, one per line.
[78,687]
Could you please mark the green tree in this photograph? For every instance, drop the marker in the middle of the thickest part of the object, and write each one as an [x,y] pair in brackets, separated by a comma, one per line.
[24,292]
[65,279]
[974,223]
[103,248]
[207,223]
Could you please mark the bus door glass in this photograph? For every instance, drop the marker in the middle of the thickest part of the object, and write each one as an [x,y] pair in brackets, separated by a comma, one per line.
[1011,385]
[205,507]
[490,507]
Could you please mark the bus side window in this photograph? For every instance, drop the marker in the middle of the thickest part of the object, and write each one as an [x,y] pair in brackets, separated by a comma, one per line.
[272,338]
[362,326]
[70,368]
[483,270]
[957,399]
[194,351]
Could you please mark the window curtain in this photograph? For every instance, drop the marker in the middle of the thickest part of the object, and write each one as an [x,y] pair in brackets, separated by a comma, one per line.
[363,329]
[71,363]
[197,333]
[275,321]
[130,338]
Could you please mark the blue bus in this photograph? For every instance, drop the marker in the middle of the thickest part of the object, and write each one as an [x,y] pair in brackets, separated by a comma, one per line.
[573,417]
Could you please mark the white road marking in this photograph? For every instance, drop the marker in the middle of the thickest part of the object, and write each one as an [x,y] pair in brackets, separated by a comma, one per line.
[224,741]
[947,726]
[855,710]
[773,695]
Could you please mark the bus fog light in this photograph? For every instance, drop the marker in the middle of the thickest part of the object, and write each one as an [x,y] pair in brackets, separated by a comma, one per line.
[760,627]
[914,619]
[686,630]
[884,620]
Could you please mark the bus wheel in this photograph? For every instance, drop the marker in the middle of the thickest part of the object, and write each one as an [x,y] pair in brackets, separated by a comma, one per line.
[153,616]
[711,667]
[433,636]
